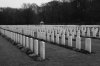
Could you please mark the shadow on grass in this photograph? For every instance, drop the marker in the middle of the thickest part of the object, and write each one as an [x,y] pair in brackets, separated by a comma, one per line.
[73,48]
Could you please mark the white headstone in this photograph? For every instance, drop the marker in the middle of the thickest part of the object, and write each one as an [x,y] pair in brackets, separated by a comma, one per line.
[63,39]
[57,38]
[83,33]
[16,37]
[31,44]
[48,37]
[78,33]
[67,34]
[88,44]
[83,29]
[36,46]
[88,32]
[70,41]
[52,37]
[21,39]
[24,41]
[32,33]
[12,35]
[78,42]
[42,50]
[27,42]
[95,32]
[73,35]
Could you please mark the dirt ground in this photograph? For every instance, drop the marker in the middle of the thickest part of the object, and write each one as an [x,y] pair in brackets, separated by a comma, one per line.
[10,55]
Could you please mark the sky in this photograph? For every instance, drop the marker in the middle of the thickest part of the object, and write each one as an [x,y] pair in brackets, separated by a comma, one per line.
[18,3]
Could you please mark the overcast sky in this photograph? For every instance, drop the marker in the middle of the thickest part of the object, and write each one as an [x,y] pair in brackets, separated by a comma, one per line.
[18,3]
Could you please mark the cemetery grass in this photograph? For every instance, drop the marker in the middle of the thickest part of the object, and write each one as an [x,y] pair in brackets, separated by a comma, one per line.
[68,57]
[10,55]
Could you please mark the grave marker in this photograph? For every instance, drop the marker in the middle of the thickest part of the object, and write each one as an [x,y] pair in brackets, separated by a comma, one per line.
[63,39]
[57,38]
[31,44]
[78,42]
[70,41]
[42,50]
[88,44]
[36,46]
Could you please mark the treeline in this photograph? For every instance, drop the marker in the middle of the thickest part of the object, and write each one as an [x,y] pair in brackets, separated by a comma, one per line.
[18,16]
[54,12]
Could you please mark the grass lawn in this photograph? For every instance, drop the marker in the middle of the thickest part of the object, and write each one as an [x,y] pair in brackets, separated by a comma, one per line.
[55,55]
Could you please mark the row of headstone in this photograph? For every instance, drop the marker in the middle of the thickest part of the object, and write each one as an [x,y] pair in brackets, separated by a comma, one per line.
[56,30]
[59,36]
[56,39]
[26,42]
[90,31]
